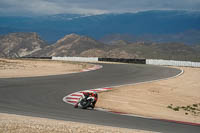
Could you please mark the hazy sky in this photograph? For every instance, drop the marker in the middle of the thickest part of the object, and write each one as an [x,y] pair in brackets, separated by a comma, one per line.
[48,7]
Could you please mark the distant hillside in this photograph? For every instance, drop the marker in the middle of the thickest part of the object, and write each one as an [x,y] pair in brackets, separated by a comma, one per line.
[177,51]
[70,45]
[30,44]
[152,26]
[190,37]
[20,44]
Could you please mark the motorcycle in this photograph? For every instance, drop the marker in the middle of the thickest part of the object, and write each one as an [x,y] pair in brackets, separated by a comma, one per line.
[86,102]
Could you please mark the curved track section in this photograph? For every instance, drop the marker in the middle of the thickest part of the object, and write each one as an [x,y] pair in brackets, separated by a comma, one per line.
[42,96]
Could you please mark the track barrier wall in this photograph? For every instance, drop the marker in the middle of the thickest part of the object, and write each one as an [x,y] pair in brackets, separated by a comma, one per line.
[123,60]
[136,61]
[172,63]
[36,57]
[80,59]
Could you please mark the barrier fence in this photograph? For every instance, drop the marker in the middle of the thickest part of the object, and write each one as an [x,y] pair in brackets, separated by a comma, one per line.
[36,58]
[136,61]
[123,60]
[80,59]
[172,63]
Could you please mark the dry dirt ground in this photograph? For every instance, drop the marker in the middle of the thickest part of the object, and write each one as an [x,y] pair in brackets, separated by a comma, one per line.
[30,68]
[175,99]
[24,124]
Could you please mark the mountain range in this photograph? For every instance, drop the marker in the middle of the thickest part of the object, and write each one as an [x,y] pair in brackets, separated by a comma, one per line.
[158,26]
[31,45]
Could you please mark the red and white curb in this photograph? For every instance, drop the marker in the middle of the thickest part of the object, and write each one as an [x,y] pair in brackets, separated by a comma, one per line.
[95,67]
[74,97]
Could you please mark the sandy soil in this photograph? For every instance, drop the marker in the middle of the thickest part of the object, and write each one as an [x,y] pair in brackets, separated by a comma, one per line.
[175,98]
[31,68]
[23,124]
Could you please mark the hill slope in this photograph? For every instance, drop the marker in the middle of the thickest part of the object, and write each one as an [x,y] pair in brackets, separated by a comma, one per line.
[70,45]
[20,44]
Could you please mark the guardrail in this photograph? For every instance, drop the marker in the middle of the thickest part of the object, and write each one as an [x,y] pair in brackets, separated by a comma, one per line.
[172,63]
[36,57]
[136,61]
[80,59]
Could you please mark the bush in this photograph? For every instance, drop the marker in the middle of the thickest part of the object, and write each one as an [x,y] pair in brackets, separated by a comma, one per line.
[169,106]
[176,109]
[193,108]
[195,105]
[183,107]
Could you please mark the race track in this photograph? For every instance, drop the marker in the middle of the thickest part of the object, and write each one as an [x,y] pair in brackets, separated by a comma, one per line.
[42,96]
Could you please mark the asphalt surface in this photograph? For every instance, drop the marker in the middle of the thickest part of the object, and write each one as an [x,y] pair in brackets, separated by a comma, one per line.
[42,96]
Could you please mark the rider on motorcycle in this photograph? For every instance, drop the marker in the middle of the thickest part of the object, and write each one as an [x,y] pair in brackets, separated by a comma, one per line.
[89,94]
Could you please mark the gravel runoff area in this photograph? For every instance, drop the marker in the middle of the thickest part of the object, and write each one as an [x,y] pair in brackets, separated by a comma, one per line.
[10,68]
[173,99]
[23,124]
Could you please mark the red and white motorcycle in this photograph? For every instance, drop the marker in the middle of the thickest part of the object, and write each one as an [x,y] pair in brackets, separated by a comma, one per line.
[85,102]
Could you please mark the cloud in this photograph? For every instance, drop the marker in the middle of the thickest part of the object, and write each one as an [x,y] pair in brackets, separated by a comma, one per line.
[47,7]
[39,7]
